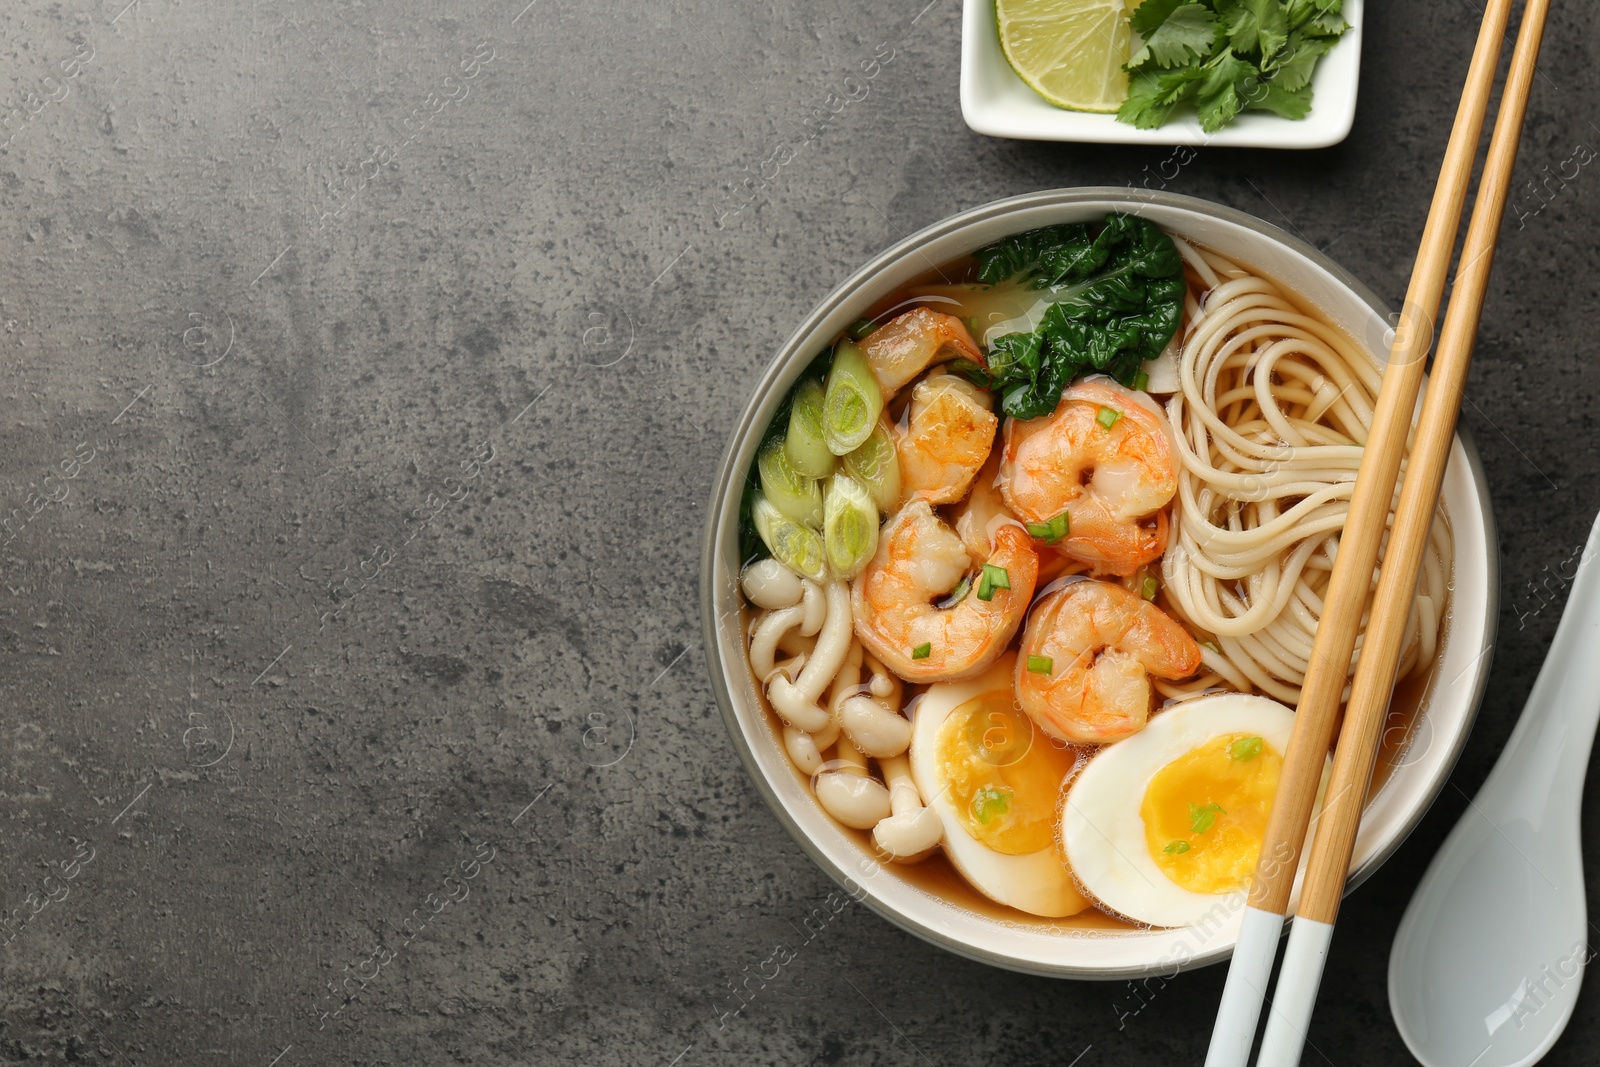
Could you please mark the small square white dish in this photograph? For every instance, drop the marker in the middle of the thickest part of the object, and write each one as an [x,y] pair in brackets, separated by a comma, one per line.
[994,101]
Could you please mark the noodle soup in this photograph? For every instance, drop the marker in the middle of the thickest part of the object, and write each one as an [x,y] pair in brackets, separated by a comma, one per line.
[1034,554]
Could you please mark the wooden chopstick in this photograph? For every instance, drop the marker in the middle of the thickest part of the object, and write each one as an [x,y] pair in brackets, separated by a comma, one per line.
[1351,581]
[1329,862]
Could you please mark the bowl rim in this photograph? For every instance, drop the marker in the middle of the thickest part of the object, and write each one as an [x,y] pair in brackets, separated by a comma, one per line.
[730,471]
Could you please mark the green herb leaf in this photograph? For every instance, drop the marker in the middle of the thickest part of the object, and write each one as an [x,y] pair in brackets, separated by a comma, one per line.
[1246,749]
[1041,664]
[1118,299]
[1108,417]
[989,803]
[922,651]
[1257,26]
[991,579]
[1295,64]
[1177,848]
[1186,34]
[1154,94]
[1202,819]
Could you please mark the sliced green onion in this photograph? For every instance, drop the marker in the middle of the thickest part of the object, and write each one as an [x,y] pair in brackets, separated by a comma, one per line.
[1202,819]
[1052,531]
[1149,587]
[958,594]
[1141,382]
[861,328]
[798,497]
[876,466]
[1177,848]
[1108,417]
[808,451]
[792,544]
[849,526]
[992,578]
[853,402]
[1246,749]
[1041,664]
[922,651]
[989,802]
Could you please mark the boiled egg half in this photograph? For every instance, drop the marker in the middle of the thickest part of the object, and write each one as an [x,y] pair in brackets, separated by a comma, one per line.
[1164,825]
[996,783]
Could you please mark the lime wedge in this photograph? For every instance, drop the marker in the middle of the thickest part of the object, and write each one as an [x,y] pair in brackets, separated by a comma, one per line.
[1070,52]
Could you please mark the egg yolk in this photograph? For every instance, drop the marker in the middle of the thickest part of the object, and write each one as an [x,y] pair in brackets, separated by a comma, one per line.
[1205,813]
[1002,777]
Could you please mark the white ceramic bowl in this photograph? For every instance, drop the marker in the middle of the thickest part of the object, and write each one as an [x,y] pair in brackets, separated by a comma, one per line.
[1448,709]
[996,102]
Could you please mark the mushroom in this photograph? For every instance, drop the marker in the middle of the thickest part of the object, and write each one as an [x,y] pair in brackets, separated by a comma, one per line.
[846,792]
[912,831]
[796,701]
[766,634]
[874,721]
[769,585]
[803,749]
[816,607]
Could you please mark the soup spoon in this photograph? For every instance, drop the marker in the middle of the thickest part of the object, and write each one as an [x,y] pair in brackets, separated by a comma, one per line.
[1487,962]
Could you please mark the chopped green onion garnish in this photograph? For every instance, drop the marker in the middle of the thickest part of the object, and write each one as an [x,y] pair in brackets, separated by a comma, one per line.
[805,442]
[958,594]
[1203,819]
[1141,381]
[860,328]
[1041,664]
[992,578]
[798,497]
[851,401]
[1052,531]
[849,526]
[1150,587]
[1245,749]
[792,544]
[1108,417]
[988,802]
[1177,848]
[922,651]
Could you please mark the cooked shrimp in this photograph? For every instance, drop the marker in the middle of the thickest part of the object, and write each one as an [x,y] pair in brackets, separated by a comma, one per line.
[949,432]
[1105,459]
[906,345]
[1085,660]
[920,561]
[984,511]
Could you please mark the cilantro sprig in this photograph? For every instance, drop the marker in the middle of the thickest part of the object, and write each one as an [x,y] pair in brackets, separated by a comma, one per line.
[1227,56]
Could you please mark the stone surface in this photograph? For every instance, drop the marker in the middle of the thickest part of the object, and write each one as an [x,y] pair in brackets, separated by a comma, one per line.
[379,355]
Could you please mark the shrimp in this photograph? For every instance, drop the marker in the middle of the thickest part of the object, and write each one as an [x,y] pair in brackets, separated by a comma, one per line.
[903,347]
[1085,660]
[949,432]
[920,561]
[1105,459]
[983,511]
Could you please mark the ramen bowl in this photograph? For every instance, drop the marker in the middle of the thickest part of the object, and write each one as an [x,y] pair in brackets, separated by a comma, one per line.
[1421,750]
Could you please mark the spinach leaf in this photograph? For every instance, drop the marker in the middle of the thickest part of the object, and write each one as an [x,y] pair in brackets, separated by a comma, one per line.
[1117,300]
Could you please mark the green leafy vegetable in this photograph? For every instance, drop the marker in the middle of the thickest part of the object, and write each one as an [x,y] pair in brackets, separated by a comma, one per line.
[1245,749]
[1227,56]
[1118,299]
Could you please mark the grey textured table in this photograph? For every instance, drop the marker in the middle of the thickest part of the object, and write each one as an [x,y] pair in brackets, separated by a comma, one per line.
[365,369]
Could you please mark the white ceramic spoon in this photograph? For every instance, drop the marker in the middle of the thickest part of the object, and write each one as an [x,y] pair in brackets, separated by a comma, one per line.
[1489,956]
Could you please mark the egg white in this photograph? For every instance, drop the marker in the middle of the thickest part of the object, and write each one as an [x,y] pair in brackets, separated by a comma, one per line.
[1038,882]
[1103,832]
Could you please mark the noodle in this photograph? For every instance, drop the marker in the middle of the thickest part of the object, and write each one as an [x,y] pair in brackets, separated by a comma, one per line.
[1271,414]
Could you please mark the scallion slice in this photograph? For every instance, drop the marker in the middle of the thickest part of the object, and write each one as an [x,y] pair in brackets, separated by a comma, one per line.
[1041,664]
[1108,417]
[991,579]
[798,497]
[1141,382]
[805,442]
[861,329]
[792,544]
[852,402]
[877,467]
[922,651]
[849,526]
[1052,531]
[1149,587]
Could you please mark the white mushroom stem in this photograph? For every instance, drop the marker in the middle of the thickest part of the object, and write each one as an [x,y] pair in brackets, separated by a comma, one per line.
[874,722]
[803,749]
[912,831]
[768,584]
[796,701]
[764,639]
[847,682]
[816,606]
[846,792]
[795,643]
